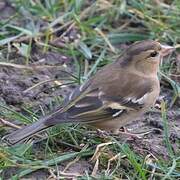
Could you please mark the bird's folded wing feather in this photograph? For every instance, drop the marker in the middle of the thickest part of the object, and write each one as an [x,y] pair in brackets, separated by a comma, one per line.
[95,101]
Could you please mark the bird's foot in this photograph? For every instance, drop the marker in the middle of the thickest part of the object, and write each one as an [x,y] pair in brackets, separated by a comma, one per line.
[124,131]
[102,133]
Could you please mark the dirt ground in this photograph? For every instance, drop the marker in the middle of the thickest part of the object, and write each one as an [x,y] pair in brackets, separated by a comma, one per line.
[22,87]
[38,86]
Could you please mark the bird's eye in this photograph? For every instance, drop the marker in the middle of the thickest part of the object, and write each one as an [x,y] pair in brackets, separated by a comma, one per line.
[154,54]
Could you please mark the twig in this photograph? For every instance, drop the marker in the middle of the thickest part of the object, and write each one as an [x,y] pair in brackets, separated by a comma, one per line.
[36,67]
[32,67]
[9,124]
[38,84]
[69,175]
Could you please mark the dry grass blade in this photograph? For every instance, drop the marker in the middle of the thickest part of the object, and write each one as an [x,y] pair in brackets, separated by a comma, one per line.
[29,67]
[105,39]
[9,124]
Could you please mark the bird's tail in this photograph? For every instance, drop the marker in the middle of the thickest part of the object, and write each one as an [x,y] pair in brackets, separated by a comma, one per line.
[25,132]
[45,122]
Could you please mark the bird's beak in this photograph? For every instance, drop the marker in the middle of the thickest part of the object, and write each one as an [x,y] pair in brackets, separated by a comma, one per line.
[165,50]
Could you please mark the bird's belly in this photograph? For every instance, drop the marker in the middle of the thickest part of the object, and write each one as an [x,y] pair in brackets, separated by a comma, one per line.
[116,123]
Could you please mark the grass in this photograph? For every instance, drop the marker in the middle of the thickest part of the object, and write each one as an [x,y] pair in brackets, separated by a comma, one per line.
[97,29]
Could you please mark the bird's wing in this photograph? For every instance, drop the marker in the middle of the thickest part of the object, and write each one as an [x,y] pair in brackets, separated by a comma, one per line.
[95,101]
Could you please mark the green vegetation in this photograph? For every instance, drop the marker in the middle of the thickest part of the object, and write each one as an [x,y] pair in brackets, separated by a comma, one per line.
[91,34]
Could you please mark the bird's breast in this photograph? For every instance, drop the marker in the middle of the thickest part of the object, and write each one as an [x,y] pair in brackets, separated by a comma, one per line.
[154,94]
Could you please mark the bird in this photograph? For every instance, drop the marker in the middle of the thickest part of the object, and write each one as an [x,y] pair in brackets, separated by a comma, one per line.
[114,96]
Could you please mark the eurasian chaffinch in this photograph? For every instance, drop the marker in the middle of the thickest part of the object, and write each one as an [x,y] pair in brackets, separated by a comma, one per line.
[116,95]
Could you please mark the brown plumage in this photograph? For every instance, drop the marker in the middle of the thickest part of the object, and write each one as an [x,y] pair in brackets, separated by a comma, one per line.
[116,95]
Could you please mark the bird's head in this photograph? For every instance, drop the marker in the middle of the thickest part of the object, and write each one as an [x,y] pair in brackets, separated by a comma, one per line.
[145,56]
